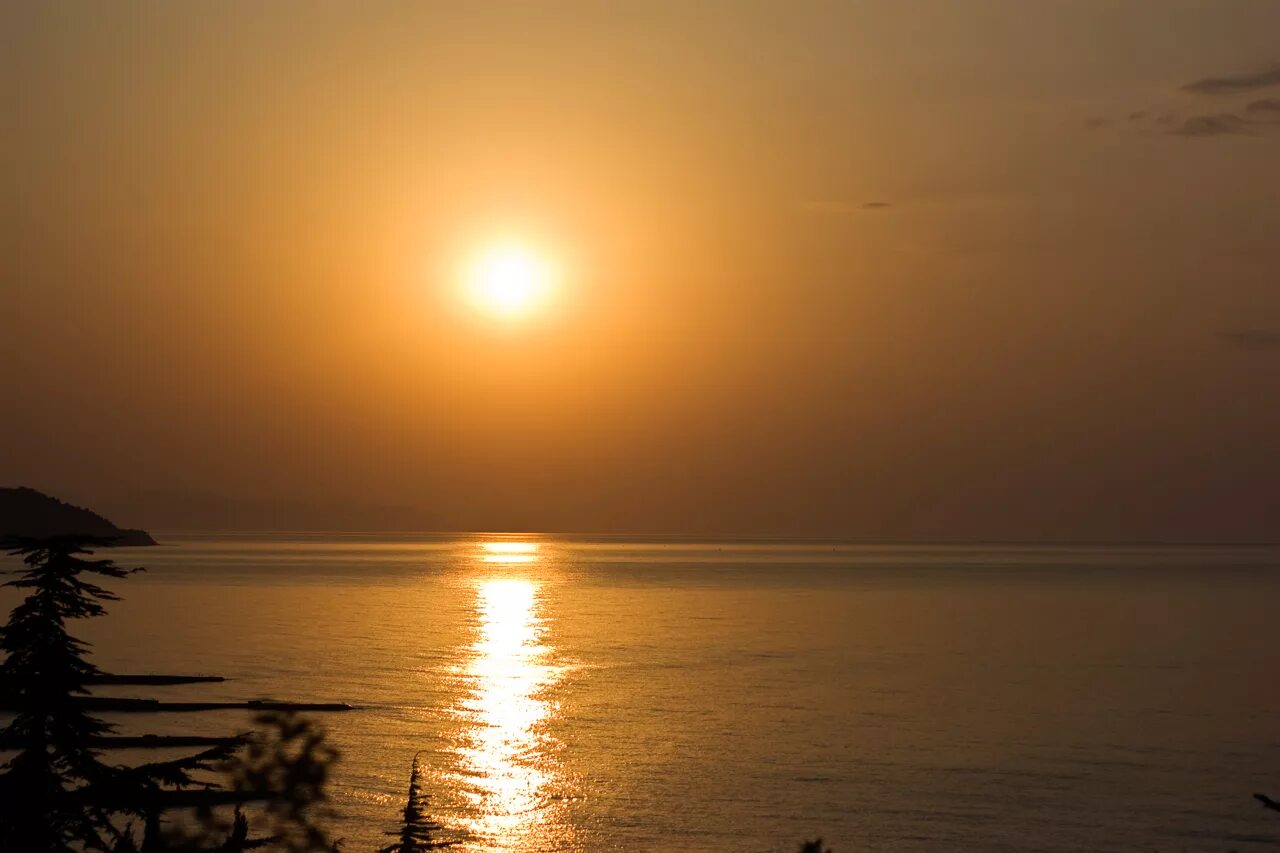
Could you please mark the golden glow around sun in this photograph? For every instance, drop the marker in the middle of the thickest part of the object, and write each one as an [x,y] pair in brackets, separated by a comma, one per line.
[509,280]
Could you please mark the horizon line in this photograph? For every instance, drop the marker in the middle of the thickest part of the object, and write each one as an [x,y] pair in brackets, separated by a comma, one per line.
[736,537]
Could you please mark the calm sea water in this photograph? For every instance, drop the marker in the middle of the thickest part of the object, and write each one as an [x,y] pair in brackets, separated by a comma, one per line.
[615,695]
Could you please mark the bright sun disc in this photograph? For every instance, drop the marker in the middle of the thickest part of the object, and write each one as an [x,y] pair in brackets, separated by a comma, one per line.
[508,280]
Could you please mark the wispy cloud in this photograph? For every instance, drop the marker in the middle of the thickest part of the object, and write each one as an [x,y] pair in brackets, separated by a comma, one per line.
[1255,340]
[844,206]
[1233,116]
[1220,124]
[1267,108]
[1235,83]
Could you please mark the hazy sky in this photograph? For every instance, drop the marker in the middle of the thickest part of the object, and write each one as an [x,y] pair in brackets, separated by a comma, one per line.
[876,268]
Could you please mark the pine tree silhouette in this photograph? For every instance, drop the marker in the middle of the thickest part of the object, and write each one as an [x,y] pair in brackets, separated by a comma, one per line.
[416,830]
[43,801]
[56,795]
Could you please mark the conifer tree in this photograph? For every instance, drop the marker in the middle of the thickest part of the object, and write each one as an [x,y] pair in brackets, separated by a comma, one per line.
[415,833]
[56,795]
[43,806]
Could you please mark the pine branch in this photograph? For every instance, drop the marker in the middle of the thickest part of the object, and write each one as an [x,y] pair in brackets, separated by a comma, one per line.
[415,833]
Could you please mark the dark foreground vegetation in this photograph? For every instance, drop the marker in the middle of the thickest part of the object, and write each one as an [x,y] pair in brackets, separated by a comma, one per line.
[58,794]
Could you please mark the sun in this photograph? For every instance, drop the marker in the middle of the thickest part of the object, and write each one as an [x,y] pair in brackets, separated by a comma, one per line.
[509,280]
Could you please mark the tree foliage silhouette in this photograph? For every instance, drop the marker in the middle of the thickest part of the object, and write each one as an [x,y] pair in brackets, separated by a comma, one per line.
[286,766]
[58,796]
[44,804]
[283,769]
[415,832]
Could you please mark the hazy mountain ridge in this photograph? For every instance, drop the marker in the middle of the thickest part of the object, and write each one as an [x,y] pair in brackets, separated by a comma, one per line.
[27,512]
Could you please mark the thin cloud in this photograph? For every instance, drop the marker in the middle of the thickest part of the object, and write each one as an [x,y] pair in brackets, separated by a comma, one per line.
[1222,124]
[1235,83]
[1267,108]
[844,206]
[1254,340]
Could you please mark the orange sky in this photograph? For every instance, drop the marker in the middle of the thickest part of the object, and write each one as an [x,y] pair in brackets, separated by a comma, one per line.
[230,230]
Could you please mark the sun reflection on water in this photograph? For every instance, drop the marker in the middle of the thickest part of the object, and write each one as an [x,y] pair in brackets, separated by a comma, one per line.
[504,752]
[509,552]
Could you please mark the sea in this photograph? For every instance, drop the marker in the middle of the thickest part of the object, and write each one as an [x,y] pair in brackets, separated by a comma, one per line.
[567,693]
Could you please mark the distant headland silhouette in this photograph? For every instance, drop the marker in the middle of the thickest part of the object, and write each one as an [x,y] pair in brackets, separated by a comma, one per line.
[26,512]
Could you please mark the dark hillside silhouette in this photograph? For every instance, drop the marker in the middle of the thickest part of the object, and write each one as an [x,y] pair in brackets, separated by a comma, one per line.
[25,512]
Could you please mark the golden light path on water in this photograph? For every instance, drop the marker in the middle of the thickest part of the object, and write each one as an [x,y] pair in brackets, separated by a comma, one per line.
[504,753]
[509,552]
